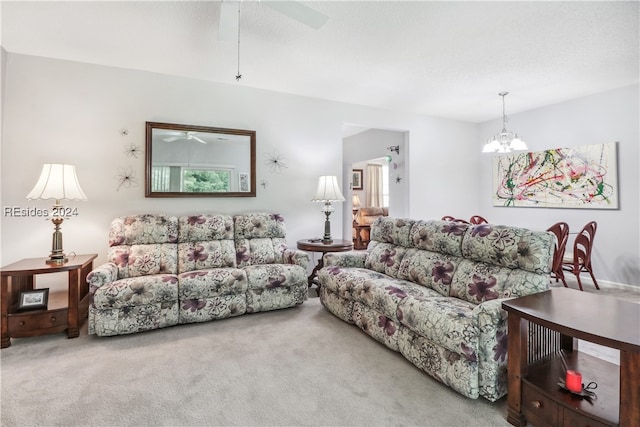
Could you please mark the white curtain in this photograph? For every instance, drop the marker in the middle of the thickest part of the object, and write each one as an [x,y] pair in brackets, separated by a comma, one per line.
[374,185]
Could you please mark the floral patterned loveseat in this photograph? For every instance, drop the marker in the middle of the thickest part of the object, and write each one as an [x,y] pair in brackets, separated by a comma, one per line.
[432,290]
[164,270]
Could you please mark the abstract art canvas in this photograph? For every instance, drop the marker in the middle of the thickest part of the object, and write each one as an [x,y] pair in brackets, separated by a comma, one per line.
[576,177]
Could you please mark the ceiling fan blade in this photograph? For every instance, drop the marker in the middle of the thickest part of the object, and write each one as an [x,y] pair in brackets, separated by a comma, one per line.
[195,138]
[299,12]
[229,20]
[172,138]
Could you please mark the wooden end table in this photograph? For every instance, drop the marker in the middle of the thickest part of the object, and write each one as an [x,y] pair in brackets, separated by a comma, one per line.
[316,245]
[359,242]
[65,310]
[542,325]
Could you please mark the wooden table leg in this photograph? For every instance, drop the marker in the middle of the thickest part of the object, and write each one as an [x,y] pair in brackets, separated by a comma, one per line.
[6,340]
[74,290]
[629,388]
[516,368]
[312,278]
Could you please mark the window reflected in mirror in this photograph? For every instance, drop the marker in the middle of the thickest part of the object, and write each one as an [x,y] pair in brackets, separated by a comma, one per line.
[198,161]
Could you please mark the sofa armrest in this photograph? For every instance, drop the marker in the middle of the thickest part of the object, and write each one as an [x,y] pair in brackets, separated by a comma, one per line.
[100,276]
[345,259]
[297,257]
[492,348]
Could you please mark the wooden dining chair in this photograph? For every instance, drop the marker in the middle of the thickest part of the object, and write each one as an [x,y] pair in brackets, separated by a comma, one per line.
[579,260]
[448,218]
[561,230]
[477,219]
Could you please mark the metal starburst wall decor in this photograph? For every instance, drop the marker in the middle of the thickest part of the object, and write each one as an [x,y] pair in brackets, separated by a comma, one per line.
[126,178]
[132,150]
[275,161]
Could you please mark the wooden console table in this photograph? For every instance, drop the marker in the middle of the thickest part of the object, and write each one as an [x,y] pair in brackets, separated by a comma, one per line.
[65,311]
[541,325]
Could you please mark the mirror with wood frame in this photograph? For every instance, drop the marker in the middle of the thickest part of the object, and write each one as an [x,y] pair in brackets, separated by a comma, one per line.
[199,161]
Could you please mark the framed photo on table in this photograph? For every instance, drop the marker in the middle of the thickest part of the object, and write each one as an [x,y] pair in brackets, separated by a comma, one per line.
[33,300]
[356,179]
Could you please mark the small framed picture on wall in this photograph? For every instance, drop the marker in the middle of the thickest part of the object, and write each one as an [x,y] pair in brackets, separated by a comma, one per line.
[356,179]
[243,179]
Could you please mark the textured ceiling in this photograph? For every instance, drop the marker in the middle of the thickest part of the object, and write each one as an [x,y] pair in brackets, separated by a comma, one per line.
[446,59]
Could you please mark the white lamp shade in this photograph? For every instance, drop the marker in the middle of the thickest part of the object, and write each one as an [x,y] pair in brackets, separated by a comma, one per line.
[518,144]
[328,190]
[491,146]
[355,201]
[59,182]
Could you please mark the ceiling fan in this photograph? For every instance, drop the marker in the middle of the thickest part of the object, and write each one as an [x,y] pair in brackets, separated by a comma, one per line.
[185,135]
[229,16]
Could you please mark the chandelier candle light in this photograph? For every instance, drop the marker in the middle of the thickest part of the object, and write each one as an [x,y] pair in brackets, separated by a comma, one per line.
[504,141]
[58,182]
[328,191]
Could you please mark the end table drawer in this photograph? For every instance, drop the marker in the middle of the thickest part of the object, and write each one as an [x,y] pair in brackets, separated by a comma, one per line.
[19,322]
[537,408]
[573,419]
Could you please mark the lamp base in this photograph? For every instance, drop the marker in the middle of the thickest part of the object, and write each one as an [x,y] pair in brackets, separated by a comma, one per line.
[56,259]
[57,255]
[326,239]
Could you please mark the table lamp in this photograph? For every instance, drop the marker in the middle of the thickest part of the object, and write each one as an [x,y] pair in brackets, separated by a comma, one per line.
[355,203]
[58,182]
[328,191]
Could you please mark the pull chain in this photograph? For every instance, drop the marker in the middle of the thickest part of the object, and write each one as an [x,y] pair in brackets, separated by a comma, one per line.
[238,76]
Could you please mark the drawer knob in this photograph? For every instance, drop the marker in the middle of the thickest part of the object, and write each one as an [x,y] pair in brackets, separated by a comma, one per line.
[21,323]
[536,404]
[53,319]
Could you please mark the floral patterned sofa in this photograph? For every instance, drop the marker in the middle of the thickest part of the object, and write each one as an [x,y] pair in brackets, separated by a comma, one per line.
[164,270]
[432,290]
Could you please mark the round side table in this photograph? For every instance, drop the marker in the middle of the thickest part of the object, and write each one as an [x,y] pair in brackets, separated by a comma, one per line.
[316,245]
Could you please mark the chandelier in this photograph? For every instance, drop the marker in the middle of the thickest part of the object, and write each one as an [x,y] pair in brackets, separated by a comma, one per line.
[504,141]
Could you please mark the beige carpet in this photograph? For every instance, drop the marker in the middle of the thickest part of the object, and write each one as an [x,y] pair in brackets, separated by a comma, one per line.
[295,367]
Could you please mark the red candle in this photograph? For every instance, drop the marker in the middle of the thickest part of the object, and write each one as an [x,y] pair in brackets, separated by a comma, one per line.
[574,381]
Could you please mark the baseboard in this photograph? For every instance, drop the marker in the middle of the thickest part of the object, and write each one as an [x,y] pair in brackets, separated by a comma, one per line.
[616,285]
[586,280]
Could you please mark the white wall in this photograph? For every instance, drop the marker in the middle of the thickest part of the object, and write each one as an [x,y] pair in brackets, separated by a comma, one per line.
[62,111]
[605,117]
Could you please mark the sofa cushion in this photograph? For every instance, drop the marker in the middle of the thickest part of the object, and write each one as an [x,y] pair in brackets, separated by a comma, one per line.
[392,230]
[197,228]
[384,258]
[144,260]
[272,276]
[448,322]
[510,247]
[212,294]
[206,241]
[376,290]
[431,269]
[209,283]
[143,229]
[143,245]
[477,282]
[259,239]
[439,236]
[137,291]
